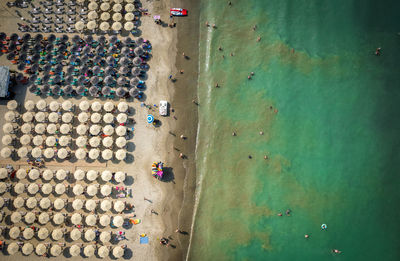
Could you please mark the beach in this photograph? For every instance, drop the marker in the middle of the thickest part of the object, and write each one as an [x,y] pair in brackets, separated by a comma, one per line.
[171,200]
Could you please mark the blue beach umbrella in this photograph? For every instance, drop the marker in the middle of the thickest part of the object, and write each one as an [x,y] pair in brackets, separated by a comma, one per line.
[150,118]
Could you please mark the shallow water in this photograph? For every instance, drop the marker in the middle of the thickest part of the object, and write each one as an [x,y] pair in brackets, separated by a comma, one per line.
[331,135]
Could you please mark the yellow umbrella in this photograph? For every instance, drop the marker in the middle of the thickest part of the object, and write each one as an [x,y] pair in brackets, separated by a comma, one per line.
[116,26]
[128,26]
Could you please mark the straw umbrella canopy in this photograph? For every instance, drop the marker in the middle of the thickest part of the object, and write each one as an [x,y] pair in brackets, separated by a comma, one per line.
[12,248]
[57,234]
[21,174]
[75,234]
[59,189]
[18,202]
[62,153]
[83,117]
[95,129]
[128,26]
[84,105]
[45,203]
[55,250]
[76,219]
[79,25]
[95,117]
[105,6]
[75,250]
[108,142]
[65,128]
[116,26]
[67,117]
[92,190]
[88,251]
[34,174]
[47,189]
[129,7]
[81,129]
[77,204]
[27,248]
[79,174]
[43,218]
[47,174]
[118,221]
[14,232]
[90,204]
[36,152]
[120,176]
[93,6]
[26,128]
[105,205]
[58,219]
[40,249]
[91,220]
[54,106]
[80,153]
[16,217]
[81,141]
[119,206]
[78,189]
[118,252]
[19,188]
[65,141]
[104,26]
[51,129]
[103,252]
[8,128]
[90,235]
[106,175]
[33,188]
[94,142]
[23,152]
[120,154]
[92,15]
[37,140]
[28,233]
[120,130]
[104,221]
[117,8]
[10,116]
[108,130]
[43,233]
[122,117]
[117,17]
[67,105]
[92,175]
[29,105]
[51,141]
[27,117]
[61,174]
[5,152]
[91,25]
[41,105]
[3,173]
[6,140]
[106,190]
[31,203]
[129,17]
[40,128]
[53,117]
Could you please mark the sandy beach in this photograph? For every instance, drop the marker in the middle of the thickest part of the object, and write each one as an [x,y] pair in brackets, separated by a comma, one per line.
[170,199]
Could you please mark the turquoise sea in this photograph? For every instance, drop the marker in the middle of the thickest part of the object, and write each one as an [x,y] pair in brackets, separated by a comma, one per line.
[332,135]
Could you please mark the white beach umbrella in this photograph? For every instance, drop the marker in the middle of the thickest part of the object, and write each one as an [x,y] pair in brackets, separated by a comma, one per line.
[93,6]
[62,153]
[33,188]
[108,130]
[91,25]
[118,1]
[10,116]
[29,105]
[90,204]
[120,130]
[75,234]
[3,173]
[122,117]
[120,154]
[118,221]
[40,116]
[95,141]
[80,153]
[104,221]
[96,106]
[36,152]
[43,218]
[54,106]
[83,117]
[34,174]
[27,116]
[129,7]
[25,139]
[118,252]
[53,117]
[91,220]
[105,236]
[47,174]
[79,174]
[55,250]
[119,206]
[104,26]
[58,219]
[76,219]
[31,203]
[105,205]
[108,106]
[79,25]
[67,105]
[78,189]
[106,190]
[95,129]
[40,128]
[64,141]
[3,187]
[94,154]
[129,17]
[26,128]
[107,154]
[27,248]
[51,141]
[77,204]
[43,233]
[92,15]
[75,250]
[92,175]
[88,251]
[117,8]
[81,141]
[90,235]
[117,17]
[49,153]
[95,117]
[14,232]
[92,190]
[23,152]
[108,118]
[106,175]
[108,142]
[51,128]
[12,248]
[128,26]
[40,249]
[28,233]
[105,6]
[61,174]
[5,152]
[103,252]
[84,105]
[123,107]
[57,234]
[45,203]
[41,105]
[8,128]
[116,26]
[37,140]
[21,174]
[67,117]
[47,189]
[19,188]
[18,202]
[16,217]
[120,142]
[60,189]
[120,176]
[81,129]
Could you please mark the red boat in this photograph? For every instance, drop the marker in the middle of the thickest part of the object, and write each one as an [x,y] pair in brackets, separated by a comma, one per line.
[178,12]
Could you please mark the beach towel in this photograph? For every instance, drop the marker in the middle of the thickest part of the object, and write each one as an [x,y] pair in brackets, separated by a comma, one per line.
[144,240]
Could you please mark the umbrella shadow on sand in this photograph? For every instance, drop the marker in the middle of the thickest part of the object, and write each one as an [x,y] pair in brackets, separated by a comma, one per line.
[168,174]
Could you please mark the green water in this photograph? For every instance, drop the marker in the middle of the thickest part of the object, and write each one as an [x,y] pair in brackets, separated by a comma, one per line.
[333,141]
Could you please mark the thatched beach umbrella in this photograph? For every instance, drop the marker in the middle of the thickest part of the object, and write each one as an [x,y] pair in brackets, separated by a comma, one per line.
[18,202]
[45,203]
[108,118]
[79,25]
[47,174]
[80,154]
[84,105]
[65,128]
[53,117]
[91,25]
[81,141]
[41,105]
[67,105]
[105,236]
[14,232]
[10,116]
[50,141]
[92,175]
[47,189]
[19,188]
[67,117]
[27,248]
[122,117]
[122,107]
[75,234]
[51,129]
[116,26]
[90,205]
[33,188]
[108,106]
[61,174]
[60,189]
[5,152]
[27,116]
[21,174]
[79,174]
[77,204]
[117,17]
[129,17]
[92,15]
[95,117]
[58,219]
[40,128]
[93,6]
[12,248]
[118,252]
[26,128]
[64,141]
[92,190]
[105,190]
[40,249]
[120,176]
[75,250]
[31,203]
[88,251]
[8,128]
[105,6]
[105,205]
[76,219]
[95,129]
[104,26]
[3,173]
[34,174]
[120,130]
[49,153]
[36,152]
[83,117]
[96,106]
[12,105]
[106,175]
[56,250]
[90,235]
[77,189]
[15,217]
[28,233]
[129,26]
[3,187]
[91,220]
[104,221]
[59,203]
[57,234]
[103,252]
[43,233]
[43,218]
[94,154]
[40,116]
[54,106]
[25,140]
